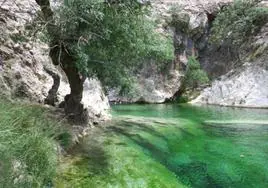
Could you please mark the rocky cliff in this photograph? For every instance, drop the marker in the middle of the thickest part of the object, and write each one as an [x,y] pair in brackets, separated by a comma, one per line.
[152,86]
[24,62]
[246,85]
[242,84]
[188,22]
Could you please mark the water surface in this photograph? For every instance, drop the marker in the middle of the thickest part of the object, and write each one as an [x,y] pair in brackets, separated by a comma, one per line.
[173,146]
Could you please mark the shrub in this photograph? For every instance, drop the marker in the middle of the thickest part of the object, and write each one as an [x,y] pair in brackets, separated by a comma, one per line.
[237,22]
[194,75]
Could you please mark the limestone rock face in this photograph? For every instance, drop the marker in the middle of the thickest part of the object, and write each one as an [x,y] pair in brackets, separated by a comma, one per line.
[94,99]
[246,88]
[23,59]
[187,21]
[191,22]
[247,85]
[155,88]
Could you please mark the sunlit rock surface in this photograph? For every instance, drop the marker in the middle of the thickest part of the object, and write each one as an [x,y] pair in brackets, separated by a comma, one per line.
[246,85]
[187,22]
[153,88]
[23,59]
[245,88]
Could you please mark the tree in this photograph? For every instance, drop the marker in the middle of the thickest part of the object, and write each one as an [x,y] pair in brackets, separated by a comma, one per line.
[238,21]
[194,75]
[103,39]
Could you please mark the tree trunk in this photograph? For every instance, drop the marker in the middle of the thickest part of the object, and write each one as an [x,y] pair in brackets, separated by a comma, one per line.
[52,98]
[72,102]
[60,55]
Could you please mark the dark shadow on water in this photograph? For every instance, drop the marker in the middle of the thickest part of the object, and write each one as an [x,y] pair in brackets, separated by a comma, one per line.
[142,127]
[137,139]
[93,156]
[194,174]
[232,130]
[148,129]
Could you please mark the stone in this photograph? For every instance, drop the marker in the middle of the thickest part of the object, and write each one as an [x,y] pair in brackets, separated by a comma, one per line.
[246,85]
[187,21]
[16,46]
[27,46]
[23,75]
[6,51]
[18,75]
[247,88]
[156,88]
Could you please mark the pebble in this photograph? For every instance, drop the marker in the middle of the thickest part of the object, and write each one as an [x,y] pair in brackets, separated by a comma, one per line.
[27,46]
[16,46]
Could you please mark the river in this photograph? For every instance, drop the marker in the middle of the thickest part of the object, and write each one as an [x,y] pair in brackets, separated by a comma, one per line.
[173,146]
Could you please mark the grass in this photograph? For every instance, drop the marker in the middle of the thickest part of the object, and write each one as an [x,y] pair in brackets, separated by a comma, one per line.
[28,145]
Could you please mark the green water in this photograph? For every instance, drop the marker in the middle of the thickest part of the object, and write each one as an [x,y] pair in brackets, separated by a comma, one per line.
[173,146]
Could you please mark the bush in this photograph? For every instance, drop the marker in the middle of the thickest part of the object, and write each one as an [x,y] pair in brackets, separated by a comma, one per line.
[237,22]
[194,75]
[182,99]
[28,156]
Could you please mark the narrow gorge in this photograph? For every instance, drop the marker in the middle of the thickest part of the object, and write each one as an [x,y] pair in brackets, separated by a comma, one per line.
[133,93]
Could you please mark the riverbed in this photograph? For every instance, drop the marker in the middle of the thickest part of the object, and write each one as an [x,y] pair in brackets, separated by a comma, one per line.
[172,145]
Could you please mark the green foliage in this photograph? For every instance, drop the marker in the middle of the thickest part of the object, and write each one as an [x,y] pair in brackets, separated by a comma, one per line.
[35,28]
[237,22]
[182,99]
[109,159]
[194,75]
[179,18]
[28,156]
[18,38]
[65,139]
[110,40]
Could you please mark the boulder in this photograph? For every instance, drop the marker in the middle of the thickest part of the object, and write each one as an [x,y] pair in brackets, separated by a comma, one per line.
[245,87]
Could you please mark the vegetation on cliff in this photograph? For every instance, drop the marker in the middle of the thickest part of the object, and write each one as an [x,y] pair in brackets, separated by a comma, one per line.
[194,78]
[194,75]
[238,21]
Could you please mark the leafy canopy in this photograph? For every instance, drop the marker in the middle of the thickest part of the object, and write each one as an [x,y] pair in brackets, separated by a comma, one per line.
[108,40]
[235,23]
[194,75]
